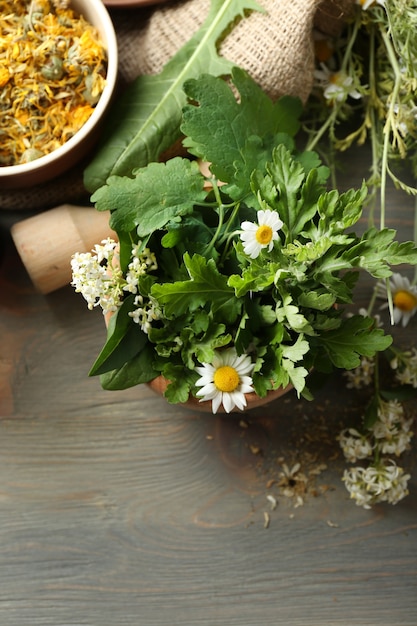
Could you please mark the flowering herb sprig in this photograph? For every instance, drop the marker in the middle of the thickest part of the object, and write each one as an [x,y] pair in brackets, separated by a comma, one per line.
[366,77]
[385,432]
[252,266]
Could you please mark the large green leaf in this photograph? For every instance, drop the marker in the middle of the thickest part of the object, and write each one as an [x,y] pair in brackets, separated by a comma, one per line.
[145,121]
[125,340]
[158,193]
[206,285]
[236,136]
[356,337]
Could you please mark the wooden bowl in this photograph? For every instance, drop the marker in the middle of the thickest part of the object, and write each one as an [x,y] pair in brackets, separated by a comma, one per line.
[63,158]
[159,384]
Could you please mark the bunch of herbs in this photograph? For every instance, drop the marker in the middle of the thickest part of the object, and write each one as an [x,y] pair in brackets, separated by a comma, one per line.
[285,308]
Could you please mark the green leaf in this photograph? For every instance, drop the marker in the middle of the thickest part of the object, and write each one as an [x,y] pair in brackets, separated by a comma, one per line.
[235,136]
[158,193]
[282,189]
[180,383]
[316,300]
[297,350]
[297,375]
[145,121]
[206,286]
[136,371]
[377,251]
[354,338]
[256,277]
[124,341]
[289,313]
[340,211]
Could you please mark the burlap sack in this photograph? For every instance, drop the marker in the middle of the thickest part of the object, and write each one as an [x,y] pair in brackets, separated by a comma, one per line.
[275,47]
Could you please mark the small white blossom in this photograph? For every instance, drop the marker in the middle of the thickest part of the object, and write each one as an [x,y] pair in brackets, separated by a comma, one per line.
[404,297]
[255,237]
[142,262]
[361,376]
[406,370]
[354,445]
[404,118]
[225,380]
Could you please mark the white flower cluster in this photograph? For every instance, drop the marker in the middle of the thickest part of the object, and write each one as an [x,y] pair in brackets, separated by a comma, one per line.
[354,445]
[98,277]
[382,480]
[391,430]
[142,262]
[147,311]
[361,376]
[405,367]
[380,483]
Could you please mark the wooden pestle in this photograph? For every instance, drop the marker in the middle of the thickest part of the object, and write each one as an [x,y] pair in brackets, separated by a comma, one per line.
[47,241]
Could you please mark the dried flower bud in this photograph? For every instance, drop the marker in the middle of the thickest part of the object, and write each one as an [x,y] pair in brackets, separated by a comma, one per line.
[53,69]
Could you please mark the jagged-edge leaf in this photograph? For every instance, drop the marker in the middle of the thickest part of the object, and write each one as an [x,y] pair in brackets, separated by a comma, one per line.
[146,120]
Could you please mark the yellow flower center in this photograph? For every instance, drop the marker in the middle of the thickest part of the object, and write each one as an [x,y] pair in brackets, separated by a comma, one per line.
[226,378]
[264,235]
[405,301]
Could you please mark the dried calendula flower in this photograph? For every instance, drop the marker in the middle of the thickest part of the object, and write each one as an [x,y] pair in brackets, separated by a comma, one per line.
[52,72]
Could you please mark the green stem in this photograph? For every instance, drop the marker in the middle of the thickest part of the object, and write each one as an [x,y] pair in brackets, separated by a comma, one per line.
[372,302]
[218,229]
[388,128]
[351,41]
[327,124]
[415,237]
[227,237]
[221,216]
[373,96]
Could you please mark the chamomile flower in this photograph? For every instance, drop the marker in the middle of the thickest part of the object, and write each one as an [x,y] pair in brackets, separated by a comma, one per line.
[225,380]
[337,86]
[404,297]
[256,236]
[367,4]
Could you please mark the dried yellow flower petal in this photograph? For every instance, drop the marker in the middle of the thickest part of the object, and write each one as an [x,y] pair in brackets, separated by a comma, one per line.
[4,76]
